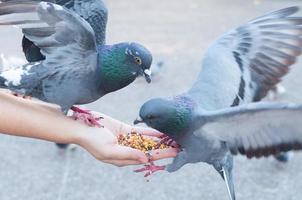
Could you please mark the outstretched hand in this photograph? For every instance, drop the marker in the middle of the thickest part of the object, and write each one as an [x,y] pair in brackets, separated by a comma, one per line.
[102,143]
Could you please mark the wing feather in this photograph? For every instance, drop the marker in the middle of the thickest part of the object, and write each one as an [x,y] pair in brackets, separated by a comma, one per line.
[259,52]
[265,128]
[66,40]
[274,44]
[54,38]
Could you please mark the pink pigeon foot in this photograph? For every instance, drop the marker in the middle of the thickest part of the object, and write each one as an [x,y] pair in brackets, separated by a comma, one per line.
[86,116]
[21,96]
[168,141]
[150,168]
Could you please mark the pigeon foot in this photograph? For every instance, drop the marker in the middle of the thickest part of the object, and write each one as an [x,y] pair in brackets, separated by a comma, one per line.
[150,168]
[86,116]
[167,141]
[21,96]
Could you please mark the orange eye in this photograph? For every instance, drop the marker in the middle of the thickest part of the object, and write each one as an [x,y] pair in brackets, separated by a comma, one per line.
[138,60]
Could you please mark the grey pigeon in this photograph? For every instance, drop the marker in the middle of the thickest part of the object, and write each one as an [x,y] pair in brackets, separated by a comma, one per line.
[93,11]
[76,69]
[215,119]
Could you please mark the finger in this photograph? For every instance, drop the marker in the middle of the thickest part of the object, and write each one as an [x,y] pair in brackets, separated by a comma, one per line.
[147,131]
[163,153]
[123,163]
[174,144]
[118,152]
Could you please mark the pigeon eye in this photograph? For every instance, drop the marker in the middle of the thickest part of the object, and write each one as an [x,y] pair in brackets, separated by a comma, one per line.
[138,60]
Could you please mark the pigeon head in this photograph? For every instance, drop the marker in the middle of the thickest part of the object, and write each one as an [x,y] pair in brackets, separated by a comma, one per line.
[122,63]
[172,117]
[139,59]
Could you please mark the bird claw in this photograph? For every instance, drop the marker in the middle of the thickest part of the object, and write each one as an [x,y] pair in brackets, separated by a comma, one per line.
[167,141]
[21,96]
[150,169]
[86,116]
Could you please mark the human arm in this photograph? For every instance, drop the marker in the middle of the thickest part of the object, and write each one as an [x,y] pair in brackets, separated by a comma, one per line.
[35,119]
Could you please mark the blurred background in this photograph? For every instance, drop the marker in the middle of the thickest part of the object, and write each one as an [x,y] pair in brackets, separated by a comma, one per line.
[178,33]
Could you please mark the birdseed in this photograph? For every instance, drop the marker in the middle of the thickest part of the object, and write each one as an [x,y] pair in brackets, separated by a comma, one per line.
[140,142]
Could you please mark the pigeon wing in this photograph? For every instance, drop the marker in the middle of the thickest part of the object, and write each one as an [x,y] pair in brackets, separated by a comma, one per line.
[94,12]
[256,129]
[254,56]
[65,39]
[61,34]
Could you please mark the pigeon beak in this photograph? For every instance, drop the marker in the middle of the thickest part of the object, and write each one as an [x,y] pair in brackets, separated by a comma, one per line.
[138,121]
[147,74]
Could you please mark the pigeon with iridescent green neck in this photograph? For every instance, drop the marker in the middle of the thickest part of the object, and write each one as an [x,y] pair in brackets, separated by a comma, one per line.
[76,69]
[215,119]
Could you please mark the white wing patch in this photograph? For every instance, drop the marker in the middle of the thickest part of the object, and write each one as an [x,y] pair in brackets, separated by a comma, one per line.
[11,62]
[14,76]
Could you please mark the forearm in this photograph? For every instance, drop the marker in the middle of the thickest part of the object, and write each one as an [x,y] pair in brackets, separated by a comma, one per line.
[27,118]
[35,119]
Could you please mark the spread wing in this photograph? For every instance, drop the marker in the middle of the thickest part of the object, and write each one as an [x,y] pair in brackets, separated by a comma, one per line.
[65,39]
[253,57]
[257,129]
[94,12]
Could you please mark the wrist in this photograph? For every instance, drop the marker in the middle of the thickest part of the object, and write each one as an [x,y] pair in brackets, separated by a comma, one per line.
[79,137]
[85,135]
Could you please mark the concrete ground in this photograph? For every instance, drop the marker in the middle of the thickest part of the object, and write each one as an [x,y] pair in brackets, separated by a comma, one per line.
[178,33]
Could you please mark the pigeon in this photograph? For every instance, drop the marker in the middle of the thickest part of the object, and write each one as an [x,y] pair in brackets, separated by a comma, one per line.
[218,116]
[94,12]
[7,62]
[76,69]
[156,68]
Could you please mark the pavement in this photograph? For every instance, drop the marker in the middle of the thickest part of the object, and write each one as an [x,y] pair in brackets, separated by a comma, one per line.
[178,33]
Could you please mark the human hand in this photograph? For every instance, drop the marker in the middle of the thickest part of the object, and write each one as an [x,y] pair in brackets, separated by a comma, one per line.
[102,143]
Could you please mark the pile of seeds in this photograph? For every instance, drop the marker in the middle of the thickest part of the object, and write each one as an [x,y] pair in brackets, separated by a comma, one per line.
[138,141]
